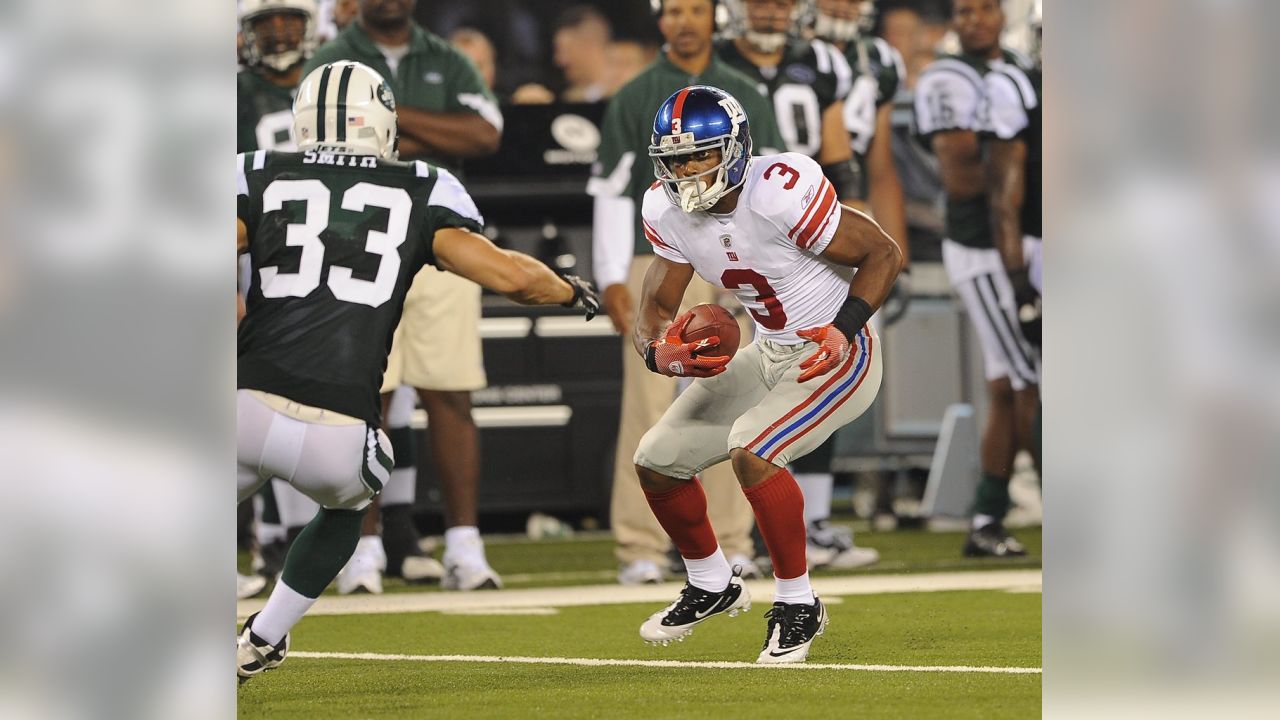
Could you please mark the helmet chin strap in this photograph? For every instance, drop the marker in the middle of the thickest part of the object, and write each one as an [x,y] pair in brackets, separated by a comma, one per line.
[830,27]
[766,42]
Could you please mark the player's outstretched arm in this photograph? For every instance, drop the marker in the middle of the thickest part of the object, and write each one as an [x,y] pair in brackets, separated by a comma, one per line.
[515,275]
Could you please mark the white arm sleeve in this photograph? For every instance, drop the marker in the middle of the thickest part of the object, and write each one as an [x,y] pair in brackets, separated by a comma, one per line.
[612,239]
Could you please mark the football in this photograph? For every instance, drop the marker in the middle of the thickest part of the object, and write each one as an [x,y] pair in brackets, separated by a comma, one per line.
[713,321]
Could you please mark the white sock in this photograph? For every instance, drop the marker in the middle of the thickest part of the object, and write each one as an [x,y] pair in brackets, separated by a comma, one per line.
[816,488]
[463,541]
[711,573]
[793,591]
[284,609]
[980,521]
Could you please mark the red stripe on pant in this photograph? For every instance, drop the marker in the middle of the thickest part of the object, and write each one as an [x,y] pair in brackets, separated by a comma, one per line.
[682,512]
[779,508]
[848,394]
[834,377]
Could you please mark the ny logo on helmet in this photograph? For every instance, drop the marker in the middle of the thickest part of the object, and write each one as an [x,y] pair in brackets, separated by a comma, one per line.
[734,109]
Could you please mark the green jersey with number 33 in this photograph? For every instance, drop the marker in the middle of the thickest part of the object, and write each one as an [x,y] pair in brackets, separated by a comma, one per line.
[335,241]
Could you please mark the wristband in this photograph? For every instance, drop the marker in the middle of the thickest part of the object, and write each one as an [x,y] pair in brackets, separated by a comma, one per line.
[651,356]
[853,314]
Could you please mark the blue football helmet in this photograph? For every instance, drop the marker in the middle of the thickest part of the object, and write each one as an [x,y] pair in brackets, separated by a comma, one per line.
[696,119]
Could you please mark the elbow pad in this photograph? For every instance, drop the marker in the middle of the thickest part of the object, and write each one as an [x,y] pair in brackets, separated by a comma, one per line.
[846,177]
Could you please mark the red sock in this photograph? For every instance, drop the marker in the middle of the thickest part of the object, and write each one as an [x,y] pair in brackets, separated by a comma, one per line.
[683,514]
[779,508]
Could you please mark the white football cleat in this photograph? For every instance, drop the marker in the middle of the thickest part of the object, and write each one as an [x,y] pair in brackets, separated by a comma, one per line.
[640,572]
[363,572]
[855,557]
[421,568]
[465,567]
[249,585]
[748,568]
[254,655]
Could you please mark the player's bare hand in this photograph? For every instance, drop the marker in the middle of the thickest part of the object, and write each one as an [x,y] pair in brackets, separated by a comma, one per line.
[621,308]
[833,348]
[673,357]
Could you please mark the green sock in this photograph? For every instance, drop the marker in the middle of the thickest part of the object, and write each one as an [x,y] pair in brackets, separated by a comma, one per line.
[320,551]
[992,497]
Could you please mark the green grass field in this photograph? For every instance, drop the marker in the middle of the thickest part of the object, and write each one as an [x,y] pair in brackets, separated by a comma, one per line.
[921,630]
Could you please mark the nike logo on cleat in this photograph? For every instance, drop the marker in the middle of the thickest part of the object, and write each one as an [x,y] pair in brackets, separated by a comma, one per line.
[784,652]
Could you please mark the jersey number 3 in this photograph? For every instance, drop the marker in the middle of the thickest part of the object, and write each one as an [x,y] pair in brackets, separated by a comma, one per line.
[773,317]
[306,235]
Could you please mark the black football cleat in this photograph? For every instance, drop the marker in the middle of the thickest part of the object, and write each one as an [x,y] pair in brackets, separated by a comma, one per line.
[992,541]
[791,630]
[254,655]
[675,622]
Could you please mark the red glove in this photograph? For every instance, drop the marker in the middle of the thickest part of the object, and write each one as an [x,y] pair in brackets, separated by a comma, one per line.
[673,357]
[833,348]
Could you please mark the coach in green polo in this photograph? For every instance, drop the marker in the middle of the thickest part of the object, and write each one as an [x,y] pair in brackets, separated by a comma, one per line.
[445,113]
[443,108]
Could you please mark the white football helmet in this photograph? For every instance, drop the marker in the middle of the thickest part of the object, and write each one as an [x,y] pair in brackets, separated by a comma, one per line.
[281,60]
[348,106]
[854,18]
[765,41]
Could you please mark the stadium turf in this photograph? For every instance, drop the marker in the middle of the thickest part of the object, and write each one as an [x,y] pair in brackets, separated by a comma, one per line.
[949,629]
[966,628]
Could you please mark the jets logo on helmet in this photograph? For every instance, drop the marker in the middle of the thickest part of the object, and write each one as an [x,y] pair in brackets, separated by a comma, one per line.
[263,46]
[346,106]
[693,120]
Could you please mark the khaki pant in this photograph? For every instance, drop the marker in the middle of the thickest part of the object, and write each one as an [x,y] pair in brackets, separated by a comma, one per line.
[437,343]
[645,397]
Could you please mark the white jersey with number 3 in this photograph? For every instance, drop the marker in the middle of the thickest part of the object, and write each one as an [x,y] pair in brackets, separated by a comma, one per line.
[766,252]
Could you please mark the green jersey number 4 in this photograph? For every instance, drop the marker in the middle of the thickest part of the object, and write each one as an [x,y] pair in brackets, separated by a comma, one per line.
[306,235]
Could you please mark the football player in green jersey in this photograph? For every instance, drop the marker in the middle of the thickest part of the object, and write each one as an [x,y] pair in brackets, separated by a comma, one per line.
[336,232]
[952,107]
[279,36]
[878,71]
[445,114]
[806,82]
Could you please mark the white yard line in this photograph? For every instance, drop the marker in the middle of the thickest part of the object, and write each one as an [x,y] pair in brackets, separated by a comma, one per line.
[761,591]
[597,662]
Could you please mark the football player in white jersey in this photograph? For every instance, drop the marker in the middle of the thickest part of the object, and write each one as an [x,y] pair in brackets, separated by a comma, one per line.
[770,230]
